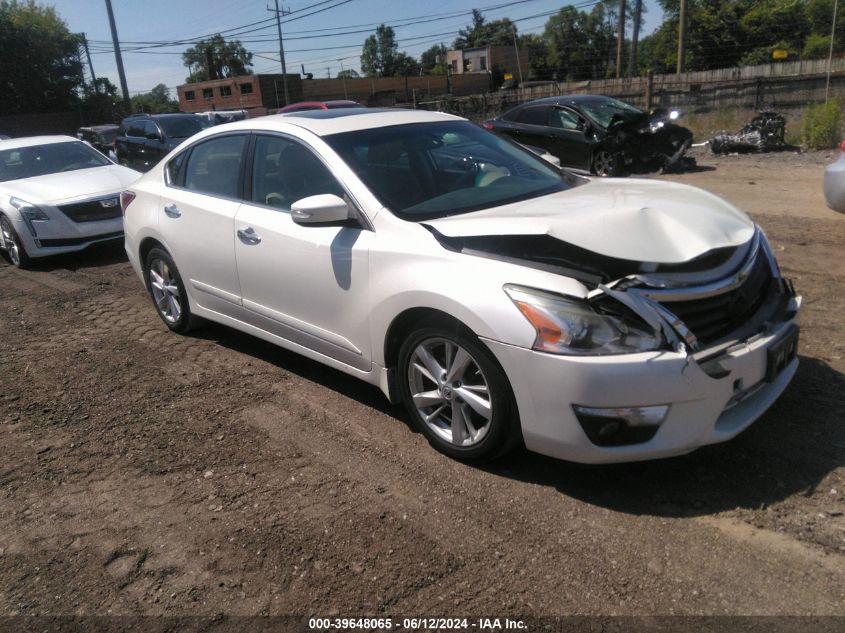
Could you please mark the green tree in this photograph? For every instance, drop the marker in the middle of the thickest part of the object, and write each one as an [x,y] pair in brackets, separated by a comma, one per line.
[348,73]
[538,56]
[484,33]
[580,43]
[429,63]
[215,58]
[380,56]
[101,102]
[155,101]
[40,69]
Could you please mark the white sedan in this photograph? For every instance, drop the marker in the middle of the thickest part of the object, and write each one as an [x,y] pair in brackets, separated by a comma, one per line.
[57,195]
[501,300]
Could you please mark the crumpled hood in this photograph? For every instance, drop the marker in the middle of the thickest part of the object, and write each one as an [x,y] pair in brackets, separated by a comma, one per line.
[634,219]
[67,185]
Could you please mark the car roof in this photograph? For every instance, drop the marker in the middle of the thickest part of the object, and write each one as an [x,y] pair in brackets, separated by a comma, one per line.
[569,99]
[100,128]
[29,141]
[162,115]
[327,122]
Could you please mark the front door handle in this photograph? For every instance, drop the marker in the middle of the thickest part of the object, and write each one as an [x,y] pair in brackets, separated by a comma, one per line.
[172,211]
[249,236]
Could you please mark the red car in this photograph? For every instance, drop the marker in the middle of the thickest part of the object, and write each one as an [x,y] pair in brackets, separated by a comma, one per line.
[319,105]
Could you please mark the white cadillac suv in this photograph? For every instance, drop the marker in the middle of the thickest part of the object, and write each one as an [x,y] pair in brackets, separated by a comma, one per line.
[502,300]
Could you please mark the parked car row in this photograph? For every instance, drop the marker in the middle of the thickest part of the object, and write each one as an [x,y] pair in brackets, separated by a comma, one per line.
[501,300]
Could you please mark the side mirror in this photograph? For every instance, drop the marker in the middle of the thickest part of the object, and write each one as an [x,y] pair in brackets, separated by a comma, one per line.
[153,136]
[322,209]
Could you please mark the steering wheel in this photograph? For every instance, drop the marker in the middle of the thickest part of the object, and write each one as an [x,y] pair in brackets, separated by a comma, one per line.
[275,199]
[488,174]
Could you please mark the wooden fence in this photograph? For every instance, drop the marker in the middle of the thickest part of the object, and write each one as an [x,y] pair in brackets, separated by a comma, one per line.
[784,86]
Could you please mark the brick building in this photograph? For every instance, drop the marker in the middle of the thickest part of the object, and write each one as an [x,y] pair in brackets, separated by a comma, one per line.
[254,93]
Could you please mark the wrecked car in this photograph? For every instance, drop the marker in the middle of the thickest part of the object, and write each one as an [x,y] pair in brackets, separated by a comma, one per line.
[501,300]
[764,133]
[599,135]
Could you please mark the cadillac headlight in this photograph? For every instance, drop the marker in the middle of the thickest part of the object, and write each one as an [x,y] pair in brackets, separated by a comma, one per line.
[570,326]
[29,211]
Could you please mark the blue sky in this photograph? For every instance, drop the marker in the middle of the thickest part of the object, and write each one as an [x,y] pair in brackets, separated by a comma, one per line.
[311,40]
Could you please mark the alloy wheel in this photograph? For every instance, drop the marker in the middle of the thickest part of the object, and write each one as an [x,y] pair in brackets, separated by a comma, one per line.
[604,163]
[165,291]
[450,392]
[9,242]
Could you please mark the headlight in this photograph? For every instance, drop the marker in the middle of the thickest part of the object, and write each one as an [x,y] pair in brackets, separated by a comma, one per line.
[570,326]
[29,211]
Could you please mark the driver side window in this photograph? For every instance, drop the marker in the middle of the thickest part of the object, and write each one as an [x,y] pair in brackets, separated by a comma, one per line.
[150,129]
[285,171]
[566,120]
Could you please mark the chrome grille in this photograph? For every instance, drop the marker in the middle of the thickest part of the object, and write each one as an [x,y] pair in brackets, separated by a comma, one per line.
[714,317]
[106,208]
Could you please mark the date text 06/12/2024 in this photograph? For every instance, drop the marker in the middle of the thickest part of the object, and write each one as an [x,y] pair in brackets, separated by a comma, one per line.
[416,624]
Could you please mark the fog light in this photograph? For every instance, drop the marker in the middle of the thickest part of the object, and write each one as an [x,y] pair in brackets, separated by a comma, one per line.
[618,426]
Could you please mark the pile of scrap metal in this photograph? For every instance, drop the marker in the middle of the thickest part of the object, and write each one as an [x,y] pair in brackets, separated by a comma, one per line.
[765,133]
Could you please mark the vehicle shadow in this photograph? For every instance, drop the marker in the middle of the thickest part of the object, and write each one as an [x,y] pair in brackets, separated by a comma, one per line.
[94,256]
[303,367]
[788,451]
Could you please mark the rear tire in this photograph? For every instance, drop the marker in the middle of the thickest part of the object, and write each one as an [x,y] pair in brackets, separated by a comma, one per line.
[168,291]
[12,244]
[457,395]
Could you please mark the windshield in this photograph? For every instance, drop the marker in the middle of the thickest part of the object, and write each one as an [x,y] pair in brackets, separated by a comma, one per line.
[430,170]
[602,111]
[38,160]
[181,127]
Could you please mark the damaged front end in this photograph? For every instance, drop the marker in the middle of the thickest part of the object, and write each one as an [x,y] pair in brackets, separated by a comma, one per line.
[649,142]
[701,307]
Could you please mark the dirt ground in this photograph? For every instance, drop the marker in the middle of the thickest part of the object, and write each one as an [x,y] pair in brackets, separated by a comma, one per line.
[148,473]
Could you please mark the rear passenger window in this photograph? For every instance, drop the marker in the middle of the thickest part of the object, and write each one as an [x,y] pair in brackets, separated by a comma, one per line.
[173,169]
[535,116]
[214,166]
[285,171]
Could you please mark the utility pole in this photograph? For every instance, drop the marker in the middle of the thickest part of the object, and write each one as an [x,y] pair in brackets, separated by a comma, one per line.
[118,58]
[343,74]
[830,52]
[620,38]
[279,13]
[90,65]
[518,62]
[635,38]
[682,37]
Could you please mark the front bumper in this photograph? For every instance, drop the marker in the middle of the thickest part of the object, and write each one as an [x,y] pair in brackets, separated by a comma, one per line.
[61,235]
[702,408]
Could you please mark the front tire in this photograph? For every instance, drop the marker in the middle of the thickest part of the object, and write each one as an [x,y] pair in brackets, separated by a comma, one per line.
[168,292]
[457,395]
[12,244]
[605,163]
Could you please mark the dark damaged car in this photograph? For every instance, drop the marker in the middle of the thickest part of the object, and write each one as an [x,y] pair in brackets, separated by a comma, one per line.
[598,135]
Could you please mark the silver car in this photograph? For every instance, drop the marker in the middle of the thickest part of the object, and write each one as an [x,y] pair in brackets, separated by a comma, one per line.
[834,183]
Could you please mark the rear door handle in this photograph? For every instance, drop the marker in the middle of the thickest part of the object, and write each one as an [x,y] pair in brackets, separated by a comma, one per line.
[249,236]
[172,211]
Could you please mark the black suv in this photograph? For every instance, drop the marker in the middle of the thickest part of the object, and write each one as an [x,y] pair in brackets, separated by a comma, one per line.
[144,139]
